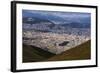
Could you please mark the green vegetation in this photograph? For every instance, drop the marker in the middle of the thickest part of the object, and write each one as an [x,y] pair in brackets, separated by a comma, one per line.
[33,54]
[80,52]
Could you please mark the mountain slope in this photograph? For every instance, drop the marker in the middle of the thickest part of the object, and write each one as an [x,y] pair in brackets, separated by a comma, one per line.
[34,54]
[83,19]
[77,53]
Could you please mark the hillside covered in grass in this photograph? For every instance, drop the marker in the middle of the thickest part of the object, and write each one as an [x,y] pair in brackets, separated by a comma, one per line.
[80,52]
[34,54]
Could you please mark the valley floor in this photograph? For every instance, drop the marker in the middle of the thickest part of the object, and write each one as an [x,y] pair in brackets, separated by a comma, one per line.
[53,42]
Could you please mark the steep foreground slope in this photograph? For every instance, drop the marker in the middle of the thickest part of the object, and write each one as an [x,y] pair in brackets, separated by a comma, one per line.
[34,54]
[80,52]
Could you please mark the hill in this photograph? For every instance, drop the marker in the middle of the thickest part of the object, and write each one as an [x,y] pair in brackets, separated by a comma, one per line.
[34,54]
[80,52]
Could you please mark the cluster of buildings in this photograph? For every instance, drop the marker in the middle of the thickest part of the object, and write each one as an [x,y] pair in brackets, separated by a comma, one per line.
[53,42]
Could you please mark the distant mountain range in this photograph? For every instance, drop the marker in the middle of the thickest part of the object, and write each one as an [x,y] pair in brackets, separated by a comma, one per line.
[50,30]
[71,19]
[56,22]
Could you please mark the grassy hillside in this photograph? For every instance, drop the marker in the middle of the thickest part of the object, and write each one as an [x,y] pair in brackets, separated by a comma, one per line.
[33,54]
[80,52]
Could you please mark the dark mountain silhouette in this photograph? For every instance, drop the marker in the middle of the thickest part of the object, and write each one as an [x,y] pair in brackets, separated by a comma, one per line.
[34,54]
